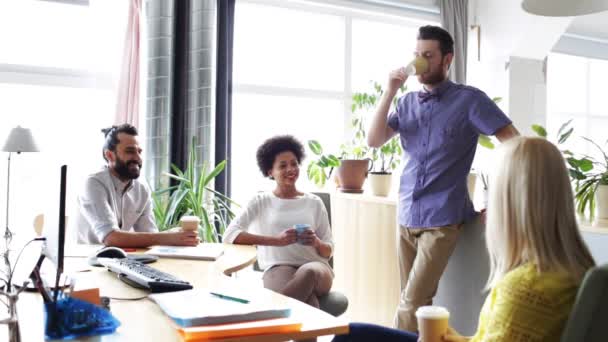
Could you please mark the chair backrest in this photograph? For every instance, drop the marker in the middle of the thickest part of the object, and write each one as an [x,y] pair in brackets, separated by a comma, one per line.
[325,197]
[589,316]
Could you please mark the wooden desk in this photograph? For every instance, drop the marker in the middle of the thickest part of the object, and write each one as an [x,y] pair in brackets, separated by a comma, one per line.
[142,320]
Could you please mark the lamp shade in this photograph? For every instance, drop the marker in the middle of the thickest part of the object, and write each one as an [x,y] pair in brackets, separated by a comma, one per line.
[564,8]
[20,140]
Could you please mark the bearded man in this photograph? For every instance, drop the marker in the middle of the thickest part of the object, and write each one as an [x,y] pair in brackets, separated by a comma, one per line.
[114,207]
[438,128]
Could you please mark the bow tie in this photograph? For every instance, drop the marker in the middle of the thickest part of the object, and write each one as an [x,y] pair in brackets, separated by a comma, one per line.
[424,96]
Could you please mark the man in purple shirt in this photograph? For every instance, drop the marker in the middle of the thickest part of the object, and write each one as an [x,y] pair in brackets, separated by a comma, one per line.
[438,128]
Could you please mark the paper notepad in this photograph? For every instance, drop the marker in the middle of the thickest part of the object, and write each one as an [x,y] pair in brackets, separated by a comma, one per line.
[200,307]
[204,251]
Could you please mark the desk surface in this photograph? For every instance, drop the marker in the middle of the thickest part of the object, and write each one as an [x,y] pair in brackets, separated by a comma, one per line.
[142,320]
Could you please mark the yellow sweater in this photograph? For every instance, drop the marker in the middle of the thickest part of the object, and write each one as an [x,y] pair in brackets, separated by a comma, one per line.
[526,306]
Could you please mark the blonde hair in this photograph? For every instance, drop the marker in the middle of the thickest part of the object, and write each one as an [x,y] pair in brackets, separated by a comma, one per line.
[531,214]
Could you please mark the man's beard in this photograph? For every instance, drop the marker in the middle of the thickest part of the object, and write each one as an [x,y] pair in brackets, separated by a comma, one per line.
[432,78]
[124,172]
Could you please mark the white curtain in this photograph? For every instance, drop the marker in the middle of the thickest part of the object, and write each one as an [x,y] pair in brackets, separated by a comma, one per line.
[127,104]
[454,18]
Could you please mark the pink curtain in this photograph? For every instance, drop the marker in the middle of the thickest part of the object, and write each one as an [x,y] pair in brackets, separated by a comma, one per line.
[127,105]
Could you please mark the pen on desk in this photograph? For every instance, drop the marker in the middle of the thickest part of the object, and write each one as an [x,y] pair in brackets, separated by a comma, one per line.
[239,300]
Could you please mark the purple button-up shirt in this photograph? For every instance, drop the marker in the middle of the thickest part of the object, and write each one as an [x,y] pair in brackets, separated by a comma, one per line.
[439,136]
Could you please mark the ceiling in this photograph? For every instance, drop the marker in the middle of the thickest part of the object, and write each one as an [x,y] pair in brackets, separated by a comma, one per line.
[592,25]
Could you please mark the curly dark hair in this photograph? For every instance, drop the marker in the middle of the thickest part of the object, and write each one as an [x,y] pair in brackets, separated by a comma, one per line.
[268,151]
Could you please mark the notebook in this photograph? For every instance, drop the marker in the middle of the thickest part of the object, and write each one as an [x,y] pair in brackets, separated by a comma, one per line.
[269,326]
[204,251]
[212,309]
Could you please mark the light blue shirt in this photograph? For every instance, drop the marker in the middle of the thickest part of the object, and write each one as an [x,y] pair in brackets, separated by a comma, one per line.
[107,204]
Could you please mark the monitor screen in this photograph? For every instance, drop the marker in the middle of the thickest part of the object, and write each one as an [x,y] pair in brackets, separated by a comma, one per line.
[54,230]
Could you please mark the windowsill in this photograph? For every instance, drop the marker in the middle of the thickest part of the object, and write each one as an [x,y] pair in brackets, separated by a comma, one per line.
[599,226]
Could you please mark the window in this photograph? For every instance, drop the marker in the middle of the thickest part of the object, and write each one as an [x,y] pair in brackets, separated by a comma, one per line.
[58,71]
[575,90]
[296,65]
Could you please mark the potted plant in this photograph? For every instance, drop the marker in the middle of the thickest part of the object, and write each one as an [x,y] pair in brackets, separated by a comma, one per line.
[192,195]
[591,182]
[354,163]
[386,159]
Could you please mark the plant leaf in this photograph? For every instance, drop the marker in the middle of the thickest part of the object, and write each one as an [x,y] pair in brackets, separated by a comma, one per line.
[563,127]
[485,141]
[562,138]
[315,147]
[539,130]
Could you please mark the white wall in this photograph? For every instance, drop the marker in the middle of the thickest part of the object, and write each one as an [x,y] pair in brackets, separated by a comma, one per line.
[527,93]
[513,46]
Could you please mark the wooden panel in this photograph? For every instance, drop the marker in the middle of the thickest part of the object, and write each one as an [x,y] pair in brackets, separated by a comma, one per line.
[365,256]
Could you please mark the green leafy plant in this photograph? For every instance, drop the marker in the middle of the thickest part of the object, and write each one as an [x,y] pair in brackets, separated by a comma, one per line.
[193,195]
[387,157]
[319,170]
[587,173]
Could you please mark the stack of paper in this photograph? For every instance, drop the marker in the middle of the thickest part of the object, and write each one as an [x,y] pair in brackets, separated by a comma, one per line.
[204,251]
[204,314]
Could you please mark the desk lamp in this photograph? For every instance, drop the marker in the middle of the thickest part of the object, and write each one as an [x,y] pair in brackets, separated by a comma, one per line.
[19,140]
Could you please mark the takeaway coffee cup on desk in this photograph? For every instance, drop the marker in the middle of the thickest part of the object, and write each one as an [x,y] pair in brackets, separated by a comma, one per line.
[190,223]
[432,323]
[301,228]
[417,66]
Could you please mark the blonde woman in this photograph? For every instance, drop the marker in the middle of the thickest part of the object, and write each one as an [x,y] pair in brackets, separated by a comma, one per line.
[538,258]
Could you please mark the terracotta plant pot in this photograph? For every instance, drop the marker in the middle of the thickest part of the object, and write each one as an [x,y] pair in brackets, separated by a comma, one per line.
[352,173]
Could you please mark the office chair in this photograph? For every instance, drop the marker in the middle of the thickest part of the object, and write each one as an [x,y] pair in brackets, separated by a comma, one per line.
[587,321]
[334,303]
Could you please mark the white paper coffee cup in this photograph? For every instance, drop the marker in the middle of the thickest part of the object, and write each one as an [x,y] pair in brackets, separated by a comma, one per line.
[432,323]
[189,222]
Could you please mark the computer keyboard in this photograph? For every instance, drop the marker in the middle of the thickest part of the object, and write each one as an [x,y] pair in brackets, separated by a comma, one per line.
[144,275]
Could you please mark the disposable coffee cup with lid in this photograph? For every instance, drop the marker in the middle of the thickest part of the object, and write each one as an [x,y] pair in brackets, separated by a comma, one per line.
[189,222]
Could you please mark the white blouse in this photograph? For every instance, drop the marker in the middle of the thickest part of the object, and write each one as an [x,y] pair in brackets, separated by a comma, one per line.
[269,215]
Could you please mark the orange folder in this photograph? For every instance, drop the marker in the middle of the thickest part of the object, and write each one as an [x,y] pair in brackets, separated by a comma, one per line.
[261,327]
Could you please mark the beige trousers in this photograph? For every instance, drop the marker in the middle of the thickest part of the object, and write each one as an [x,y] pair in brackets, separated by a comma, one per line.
[423,256]
[305,283]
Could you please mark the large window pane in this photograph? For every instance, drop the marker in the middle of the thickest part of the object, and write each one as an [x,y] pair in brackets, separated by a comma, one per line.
[567,84]
[598,74]
[597,133]
[60,35]
[258,117]
[66,124]
[379,48]
[579,123]
[288,48]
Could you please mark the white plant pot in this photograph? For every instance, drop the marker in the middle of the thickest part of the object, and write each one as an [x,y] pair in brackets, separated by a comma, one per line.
[380,183]
[471,181]
[601,202]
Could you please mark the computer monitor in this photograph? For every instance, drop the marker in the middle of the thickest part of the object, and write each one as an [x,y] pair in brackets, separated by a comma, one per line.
[54,244]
